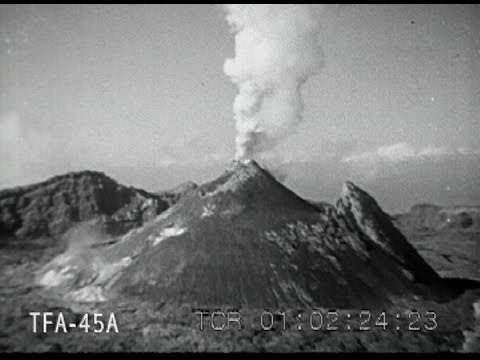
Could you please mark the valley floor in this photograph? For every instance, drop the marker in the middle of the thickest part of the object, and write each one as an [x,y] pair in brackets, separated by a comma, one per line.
[452,253]
[160,327]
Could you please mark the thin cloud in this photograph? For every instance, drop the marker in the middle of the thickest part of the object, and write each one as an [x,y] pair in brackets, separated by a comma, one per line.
[467,151]
[397,153]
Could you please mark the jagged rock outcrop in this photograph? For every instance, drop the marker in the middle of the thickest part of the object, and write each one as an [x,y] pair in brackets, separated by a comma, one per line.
[361,211]
[51,207]
[324,207]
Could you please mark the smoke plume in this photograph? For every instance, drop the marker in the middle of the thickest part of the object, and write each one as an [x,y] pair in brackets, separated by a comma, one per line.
[276,51]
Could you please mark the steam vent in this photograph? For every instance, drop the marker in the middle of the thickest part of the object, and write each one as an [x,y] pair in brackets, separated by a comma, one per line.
[244,239]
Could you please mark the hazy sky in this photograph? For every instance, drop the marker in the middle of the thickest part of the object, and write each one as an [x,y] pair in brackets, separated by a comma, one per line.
[138,91]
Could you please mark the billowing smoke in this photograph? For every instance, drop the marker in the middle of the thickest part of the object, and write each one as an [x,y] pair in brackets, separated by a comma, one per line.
[83,236]
[276,51]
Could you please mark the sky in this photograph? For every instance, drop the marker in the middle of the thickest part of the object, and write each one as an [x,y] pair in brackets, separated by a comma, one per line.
[139,92]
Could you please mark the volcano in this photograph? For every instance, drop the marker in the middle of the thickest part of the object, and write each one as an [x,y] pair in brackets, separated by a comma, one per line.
[244,239]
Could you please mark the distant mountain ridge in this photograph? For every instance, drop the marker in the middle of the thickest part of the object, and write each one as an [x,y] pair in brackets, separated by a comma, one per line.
[38,209]
[51,207]
[434,218]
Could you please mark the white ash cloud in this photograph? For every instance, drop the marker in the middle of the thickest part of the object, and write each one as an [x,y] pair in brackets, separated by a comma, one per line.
[276,51]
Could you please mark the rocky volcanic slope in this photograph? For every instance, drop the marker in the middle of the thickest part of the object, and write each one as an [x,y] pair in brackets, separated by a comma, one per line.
[245,239]
[49,208]
[240,239]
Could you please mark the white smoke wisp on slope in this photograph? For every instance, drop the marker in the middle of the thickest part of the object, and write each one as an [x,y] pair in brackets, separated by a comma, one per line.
[276,50]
